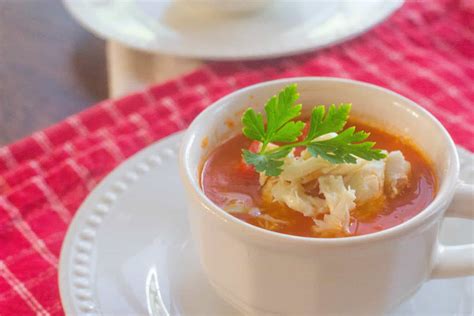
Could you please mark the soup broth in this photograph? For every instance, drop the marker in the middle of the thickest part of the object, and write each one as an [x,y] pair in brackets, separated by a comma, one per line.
[230,184]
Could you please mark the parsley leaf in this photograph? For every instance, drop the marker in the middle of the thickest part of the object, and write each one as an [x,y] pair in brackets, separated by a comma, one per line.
[289,132]
[345,147]
[281,108]
[270,163]
[281,127]
[253,125]
[280,111]
[332,122]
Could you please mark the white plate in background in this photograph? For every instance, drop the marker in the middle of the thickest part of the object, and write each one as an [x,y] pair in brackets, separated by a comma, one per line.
[283,27]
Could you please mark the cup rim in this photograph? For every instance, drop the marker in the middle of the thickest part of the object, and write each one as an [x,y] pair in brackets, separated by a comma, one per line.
[445,191]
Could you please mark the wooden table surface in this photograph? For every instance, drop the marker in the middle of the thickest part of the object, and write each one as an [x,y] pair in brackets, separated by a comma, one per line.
[50,67]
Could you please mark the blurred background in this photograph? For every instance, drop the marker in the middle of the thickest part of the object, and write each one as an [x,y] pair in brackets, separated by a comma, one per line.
[50,67]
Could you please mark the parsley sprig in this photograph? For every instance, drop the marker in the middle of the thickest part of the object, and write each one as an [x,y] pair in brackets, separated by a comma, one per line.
[281,127]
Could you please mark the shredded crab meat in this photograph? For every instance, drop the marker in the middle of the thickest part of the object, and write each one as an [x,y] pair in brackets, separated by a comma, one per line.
[307,168]
[367,181]
[340,201]
[294,196]
[269,222]
[236,202]
[397,170]
[271,219]
[343,186]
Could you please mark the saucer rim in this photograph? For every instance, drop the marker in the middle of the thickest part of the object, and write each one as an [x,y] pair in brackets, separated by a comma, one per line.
[77,297]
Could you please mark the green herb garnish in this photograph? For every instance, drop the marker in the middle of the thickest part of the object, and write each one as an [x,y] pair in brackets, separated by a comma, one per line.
[281,127]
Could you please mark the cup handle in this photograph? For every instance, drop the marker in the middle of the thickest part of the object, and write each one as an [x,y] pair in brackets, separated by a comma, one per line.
[457,261]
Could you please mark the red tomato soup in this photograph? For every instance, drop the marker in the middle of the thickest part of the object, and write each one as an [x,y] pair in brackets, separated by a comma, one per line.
[228,182]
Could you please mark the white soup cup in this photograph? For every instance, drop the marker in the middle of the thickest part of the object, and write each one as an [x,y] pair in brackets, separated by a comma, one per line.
[264,272]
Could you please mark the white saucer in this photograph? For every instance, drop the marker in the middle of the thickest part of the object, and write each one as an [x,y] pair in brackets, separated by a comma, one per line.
[284,27]
[128,250]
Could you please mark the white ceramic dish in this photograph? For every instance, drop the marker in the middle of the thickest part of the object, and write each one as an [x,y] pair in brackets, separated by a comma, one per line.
[281,27]
[128,250]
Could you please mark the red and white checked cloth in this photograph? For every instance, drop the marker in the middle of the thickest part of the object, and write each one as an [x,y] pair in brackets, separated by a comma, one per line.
[425,52]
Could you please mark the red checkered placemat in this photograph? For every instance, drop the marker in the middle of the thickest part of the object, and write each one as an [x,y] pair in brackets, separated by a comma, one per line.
[425,52]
